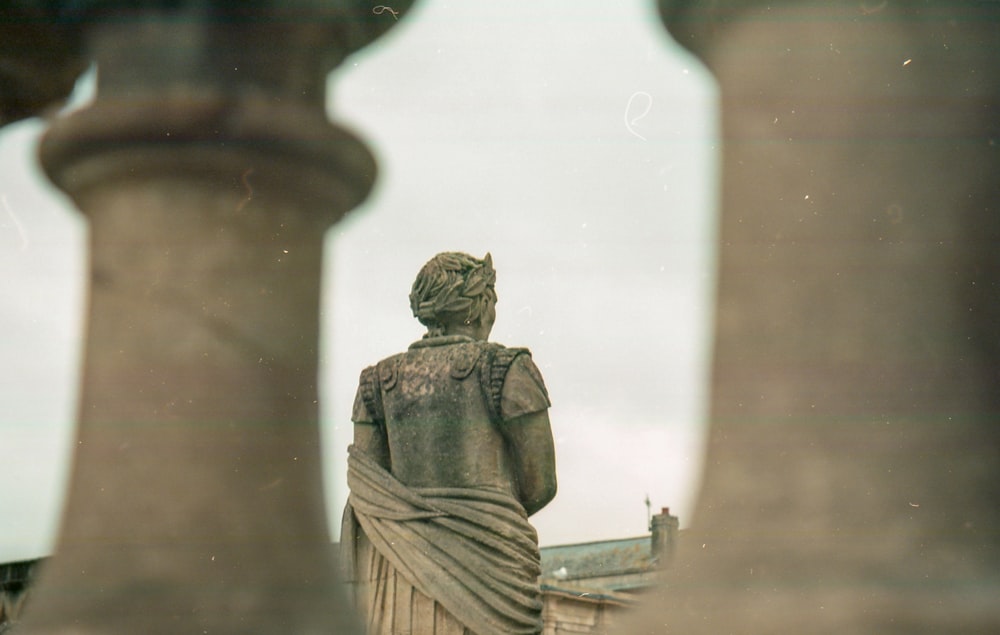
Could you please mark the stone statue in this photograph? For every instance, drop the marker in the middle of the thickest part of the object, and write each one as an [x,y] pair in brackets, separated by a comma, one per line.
[452,453]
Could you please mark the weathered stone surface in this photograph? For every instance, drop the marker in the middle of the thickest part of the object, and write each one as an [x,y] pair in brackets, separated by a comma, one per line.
[208,174]
[852,471]
[452,452]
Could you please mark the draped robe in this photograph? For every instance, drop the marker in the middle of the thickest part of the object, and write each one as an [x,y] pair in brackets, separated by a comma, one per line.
[435,541]
[438,560]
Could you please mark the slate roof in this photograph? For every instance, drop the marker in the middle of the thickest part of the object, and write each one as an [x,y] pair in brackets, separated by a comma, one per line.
[597,559]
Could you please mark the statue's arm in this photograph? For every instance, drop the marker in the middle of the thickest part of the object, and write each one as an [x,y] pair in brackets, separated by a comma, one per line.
[370,438]
[529,439]
[369,433]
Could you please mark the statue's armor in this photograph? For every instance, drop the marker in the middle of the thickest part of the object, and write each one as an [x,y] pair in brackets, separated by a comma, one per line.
[436,529]
[440,407]
[432,374]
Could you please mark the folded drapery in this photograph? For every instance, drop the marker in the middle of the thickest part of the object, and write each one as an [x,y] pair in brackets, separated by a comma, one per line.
[471,550]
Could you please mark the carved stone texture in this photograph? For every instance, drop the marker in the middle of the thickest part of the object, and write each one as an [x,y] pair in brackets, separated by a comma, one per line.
[452,452]
[851,483]
[208,174]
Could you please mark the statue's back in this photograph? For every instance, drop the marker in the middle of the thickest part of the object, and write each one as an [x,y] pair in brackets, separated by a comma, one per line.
[439,405]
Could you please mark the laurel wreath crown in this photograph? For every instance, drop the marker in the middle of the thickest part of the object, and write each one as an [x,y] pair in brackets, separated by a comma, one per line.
[452,288]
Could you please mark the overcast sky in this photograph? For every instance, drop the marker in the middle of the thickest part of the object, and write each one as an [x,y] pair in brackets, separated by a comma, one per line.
[572,140]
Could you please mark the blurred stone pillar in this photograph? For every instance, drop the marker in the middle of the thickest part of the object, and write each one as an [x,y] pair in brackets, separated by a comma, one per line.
[852,476]
[208,173]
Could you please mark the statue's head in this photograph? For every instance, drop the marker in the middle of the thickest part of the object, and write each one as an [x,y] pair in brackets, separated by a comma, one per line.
[453,294]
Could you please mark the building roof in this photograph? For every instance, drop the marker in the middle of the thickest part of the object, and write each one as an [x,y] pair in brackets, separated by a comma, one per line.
[604,596]
[600,559]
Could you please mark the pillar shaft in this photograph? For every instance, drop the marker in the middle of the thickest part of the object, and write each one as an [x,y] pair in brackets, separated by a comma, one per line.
[851,478]
[208,174]
[195,497]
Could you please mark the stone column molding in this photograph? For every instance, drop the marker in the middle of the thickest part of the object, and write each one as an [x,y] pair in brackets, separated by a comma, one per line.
[851,481]
[208,173]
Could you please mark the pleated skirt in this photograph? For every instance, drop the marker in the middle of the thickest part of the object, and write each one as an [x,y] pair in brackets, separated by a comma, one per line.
[390,605]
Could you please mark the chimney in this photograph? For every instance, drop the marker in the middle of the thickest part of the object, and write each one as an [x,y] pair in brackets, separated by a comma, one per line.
[664,536]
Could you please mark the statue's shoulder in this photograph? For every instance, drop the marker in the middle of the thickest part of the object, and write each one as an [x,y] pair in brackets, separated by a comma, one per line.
[385,372]
[497,358]
[501,352]
[497,361]
[462,358]
[375,379]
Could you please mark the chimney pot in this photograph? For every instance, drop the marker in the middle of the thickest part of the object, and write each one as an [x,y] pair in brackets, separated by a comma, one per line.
[664,529]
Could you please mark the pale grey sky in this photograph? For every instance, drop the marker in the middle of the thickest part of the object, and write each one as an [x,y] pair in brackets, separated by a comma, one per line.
[572,140]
